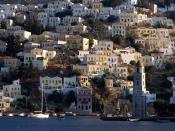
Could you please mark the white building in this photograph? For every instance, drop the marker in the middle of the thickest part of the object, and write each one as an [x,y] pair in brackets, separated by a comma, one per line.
[43,19]
[43,53]
[112,60]
[71,19]
[13,90]
[104,45]
[70,82]
[54,21]
[50,84]
[22,34]
[128,54]
[79,10]
[11,62]
[31,45]
[161,20]
[82,54]
[37,62]
[150,98]
[118,29]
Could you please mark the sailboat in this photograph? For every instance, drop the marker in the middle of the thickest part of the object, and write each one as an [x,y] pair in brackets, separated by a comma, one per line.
[40,114]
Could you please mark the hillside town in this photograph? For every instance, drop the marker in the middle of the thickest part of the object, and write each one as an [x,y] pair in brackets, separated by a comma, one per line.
[88,56]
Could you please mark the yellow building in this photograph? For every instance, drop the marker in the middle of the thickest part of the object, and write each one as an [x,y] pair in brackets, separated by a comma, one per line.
[97,5]
[109,83]
[151,32]
[122,71]
[83,68]
[95,69]
[130,19]
[4,103]
[77,42]
[97,58]
[84,81]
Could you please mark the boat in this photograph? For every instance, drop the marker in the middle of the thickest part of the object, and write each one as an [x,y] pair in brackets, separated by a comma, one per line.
[40,114]
[163,120]
[134,119]
[70,114]
[1,114]
[61,116]
[10,114]
[22,114]
[54,114]
[98,115]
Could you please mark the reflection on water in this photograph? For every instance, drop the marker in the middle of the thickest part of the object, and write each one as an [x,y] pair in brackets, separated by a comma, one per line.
[79,124]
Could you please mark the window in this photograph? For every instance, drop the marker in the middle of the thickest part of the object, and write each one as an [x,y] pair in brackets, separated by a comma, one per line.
[137,82]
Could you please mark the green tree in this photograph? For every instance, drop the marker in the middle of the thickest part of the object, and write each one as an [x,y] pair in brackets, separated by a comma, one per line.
[171,108]
[3,25]
[112,3]
[98,82]
[117,39]
[132,62]
[97,28]
[70,98]
[112,19]
[56,97]
[160,106]
[21,103]
[67,12]
[33,25]
[76,1]
[166,84]
[77,72]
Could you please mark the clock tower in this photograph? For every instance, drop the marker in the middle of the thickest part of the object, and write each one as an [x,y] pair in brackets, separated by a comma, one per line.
[139,92]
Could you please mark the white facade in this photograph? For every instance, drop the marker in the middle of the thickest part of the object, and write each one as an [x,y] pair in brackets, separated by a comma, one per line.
[118,29]
[104,45]
[31,45]
[70,82]
[43,53]
[82,54]
[11,62]
[54,21]
[79,11]
[70,19]
[13,90]
[128,54]
[112,60]
[150,98]
[50,84]
[37,62]
[22,34]
[161,20]
[43,18]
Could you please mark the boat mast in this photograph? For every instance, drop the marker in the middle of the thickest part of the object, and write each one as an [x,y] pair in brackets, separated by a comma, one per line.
[42,98]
